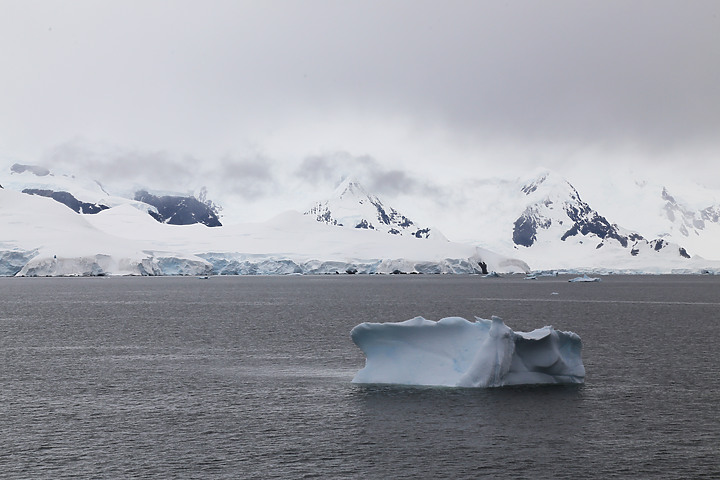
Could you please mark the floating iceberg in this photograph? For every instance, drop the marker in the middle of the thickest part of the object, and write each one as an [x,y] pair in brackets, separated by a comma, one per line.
[454,352]
[585,278]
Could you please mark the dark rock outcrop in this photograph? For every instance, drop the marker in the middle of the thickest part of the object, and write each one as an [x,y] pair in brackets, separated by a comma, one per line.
[69,200]
[177,210]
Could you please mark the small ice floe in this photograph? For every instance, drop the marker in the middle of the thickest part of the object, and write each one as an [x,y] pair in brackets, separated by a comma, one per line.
[531,277]
[584,278]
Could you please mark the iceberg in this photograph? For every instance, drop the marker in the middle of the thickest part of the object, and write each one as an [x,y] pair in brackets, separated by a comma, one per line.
[584,278]
[454,352]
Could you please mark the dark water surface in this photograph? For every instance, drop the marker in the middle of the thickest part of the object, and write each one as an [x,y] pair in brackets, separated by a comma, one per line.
[249,377]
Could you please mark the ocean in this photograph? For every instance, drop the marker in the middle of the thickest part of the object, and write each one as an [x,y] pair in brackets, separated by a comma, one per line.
[250,377]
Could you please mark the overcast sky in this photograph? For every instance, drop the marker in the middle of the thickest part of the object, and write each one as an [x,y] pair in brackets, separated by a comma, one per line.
[257,98]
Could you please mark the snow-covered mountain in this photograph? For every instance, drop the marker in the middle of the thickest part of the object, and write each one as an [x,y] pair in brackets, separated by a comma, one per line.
[352,206]
[67,225]
[676,211]
[41,236]
[90,197]
[556,217]
[697,227]
[552,223]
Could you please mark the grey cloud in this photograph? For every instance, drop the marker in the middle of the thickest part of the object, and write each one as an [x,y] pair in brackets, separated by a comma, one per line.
[330,169]
[154,169]
[195,77]
[249,177]
[394,182]
[253,168]
[318,168]
[645,72]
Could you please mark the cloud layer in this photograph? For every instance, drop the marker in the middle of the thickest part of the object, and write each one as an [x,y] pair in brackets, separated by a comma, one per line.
[258,97]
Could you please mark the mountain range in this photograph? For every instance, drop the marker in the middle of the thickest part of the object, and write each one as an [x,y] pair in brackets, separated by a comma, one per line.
[557,222]
[537,223]
[43,235]
[545,221]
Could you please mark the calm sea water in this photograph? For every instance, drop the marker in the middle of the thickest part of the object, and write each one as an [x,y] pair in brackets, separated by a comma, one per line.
[249,377]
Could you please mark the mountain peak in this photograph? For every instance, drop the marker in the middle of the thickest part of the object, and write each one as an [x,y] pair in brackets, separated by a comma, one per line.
[350,187]
[530,186]
[546,184]
[352,206]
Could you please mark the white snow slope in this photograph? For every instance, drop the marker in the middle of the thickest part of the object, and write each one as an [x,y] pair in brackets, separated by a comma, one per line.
[41,237]
[454,352]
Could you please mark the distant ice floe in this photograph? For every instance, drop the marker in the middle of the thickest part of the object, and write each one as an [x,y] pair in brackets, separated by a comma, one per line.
[455,352]
[585,278]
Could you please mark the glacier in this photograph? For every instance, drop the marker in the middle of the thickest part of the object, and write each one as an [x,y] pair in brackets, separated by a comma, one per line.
[454,352]
[41,237]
